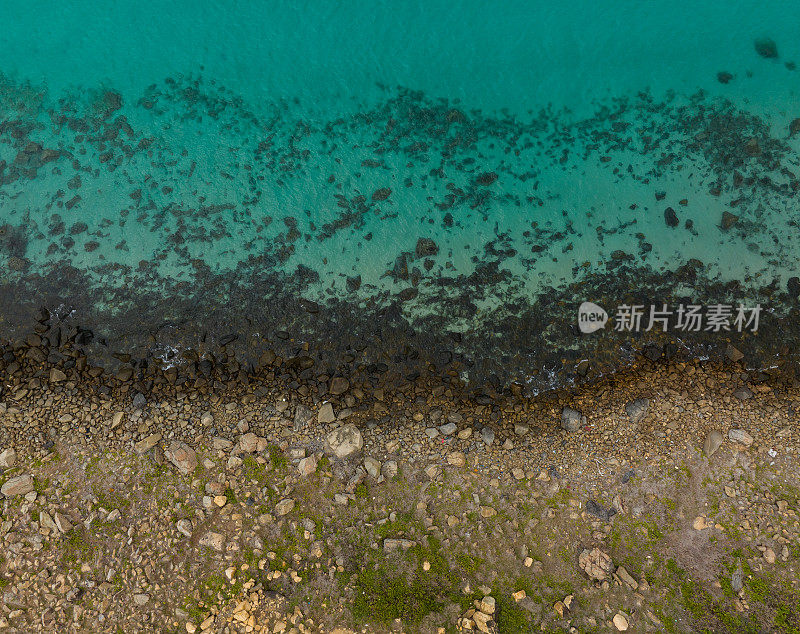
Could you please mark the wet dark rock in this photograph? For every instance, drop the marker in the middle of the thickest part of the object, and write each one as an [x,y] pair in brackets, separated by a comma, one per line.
[724,77]
[339,385]
[793,287]
[766,47]
[353,283]
[426,247]
[652,352]
[794,127]
[728,220]
[671,218]
[224,340]
[407,294]
[139,401]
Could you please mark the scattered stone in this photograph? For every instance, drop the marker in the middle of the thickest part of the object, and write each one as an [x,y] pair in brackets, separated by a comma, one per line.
[487,435]
[19,485]
[723,77]
[182,456]
[146,444]
[391,545]
[620,622]
[344,441]
[740,436]
[571,419]
[284,507]
[213,540]
[389,469]
[307,466]
[712,442]
[62,523]
[373,466]
[728,220]
[456,458]
[448,429]
[520,429]
[626,578]
[8,458]
[339,385]
[769,556]
[637,409]
[700,523]
[671,218]
[57,376]
[139,401]
[743,393]
[207,419]
[325,414]
[487,605]
[596,564]
[248,443]
[302,416]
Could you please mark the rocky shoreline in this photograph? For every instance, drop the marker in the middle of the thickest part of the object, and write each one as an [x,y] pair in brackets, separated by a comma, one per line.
[664,498]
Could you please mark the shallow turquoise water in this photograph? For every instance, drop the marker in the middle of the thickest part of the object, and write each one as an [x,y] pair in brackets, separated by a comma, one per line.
[432,176]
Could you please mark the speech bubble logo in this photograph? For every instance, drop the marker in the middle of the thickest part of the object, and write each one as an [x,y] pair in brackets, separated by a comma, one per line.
[591,317]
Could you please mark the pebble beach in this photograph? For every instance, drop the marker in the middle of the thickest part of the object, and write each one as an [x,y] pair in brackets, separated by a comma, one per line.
[664,498]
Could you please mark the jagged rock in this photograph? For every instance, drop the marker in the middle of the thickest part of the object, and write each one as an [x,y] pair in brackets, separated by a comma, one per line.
[596,564]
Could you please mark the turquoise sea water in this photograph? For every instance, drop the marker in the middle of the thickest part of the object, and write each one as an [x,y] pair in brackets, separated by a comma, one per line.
[397,181]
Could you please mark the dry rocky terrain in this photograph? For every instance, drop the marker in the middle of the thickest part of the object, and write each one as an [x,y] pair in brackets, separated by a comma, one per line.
[663,499]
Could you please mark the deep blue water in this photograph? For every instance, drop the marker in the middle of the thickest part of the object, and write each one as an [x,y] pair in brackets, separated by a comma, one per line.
[435,181]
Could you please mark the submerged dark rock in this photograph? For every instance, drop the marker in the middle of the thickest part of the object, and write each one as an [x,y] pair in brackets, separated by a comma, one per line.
[670,217]
[728,220]
[766,47]
[426,247]
[724,77]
